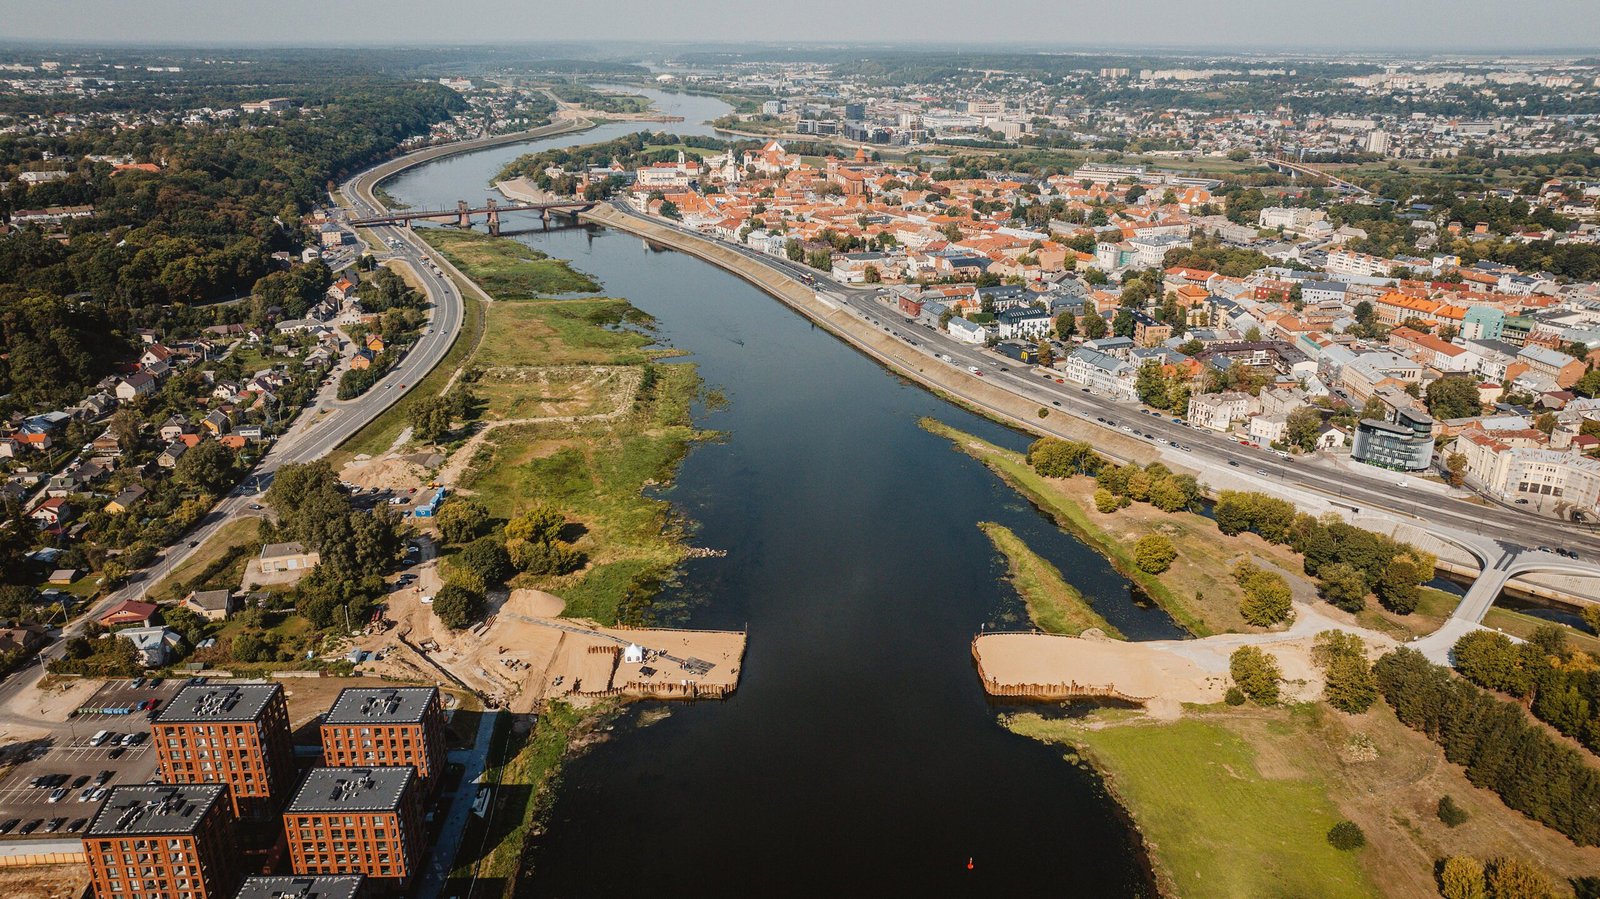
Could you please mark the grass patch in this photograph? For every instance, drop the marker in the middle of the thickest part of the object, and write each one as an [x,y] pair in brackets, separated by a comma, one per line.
[565,332]
[1214,822]
[217,564]
[597,473]
[1055,606]
[1014,470]
[508,270]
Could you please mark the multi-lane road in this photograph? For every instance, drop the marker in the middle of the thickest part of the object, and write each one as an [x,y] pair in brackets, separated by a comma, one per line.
[328,422]
[1207,451]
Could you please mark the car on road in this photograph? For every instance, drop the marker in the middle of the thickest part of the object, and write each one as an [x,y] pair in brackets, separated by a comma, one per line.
[1522,501]
[426,600]
[1055,402]
[1262,472]
[1128,429]
[255,507]
[193,543]
[1187,448]
[1100,418]
[1234,462]
[1545,549]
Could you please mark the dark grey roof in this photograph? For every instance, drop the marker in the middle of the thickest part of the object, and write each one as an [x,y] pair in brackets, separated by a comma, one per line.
[352,790]
[326,886]
[380,705]
[154,809]
[218,702]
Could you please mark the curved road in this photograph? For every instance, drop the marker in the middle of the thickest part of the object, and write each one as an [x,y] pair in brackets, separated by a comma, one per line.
[319,432]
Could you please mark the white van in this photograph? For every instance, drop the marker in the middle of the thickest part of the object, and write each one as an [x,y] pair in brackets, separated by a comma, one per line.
[99,738]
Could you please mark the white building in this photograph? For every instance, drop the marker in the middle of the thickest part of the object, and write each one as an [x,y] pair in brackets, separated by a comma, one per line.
[1218,411]
[1101,373]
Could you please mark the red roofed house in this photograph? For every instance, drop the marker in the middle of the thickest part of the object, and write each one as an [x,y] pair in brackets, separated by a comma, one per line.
[129,611]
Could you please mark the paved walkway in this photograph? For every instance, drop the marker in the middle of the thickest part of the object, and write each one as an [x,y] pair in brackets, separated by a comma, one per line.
[454,825]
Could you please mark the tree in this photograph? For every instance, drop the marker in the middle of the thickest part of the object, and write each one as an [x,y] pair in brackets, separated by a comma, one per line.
[1303,428]
[1591,617]
[1450,813]
[430,418]
[1453,397]
[669,210]
[1266,595]
[457,606]
[1153,553]
[208,466]
[1093,325]
[1489,659]
[543,557]
[1462,877]
[1256,673]
[1151,385]
[1123,324]
[1343,585]
[1456,463]
[1400,587]
[1105,501]
[1066,325]
[1056,458]
[1343,659]
[485,557]
[540,524]
[1346,836]
[1513,878]
[461,520]
[125,426]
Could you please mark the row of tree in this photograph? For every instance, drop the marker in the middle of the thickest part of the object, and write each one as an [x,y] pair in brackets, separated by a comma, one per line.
[1560,684]
[1501,749]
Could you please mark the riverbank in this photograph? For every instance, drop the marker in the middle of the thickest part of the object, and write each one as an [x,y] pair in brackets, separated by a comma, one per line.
[1238,801]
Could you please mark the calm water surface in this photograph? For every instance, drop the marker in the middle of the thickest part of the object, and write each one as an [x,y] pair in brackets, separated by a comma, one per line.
[859,755]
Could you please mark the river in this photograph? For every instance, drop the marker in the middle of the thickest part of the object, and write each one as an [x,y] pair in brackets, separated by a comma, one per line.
[860,754]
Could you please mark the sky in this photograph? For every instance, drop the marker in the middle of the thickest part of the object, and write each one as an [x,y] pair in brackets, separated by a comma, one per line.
[1436,25]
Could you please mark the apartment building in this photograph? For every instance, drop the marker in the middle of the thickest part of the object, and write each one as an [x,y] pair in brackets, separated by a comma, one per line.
[331,886]
[237,734]
[1218,411]
[358,821]
[163,841]
[387,726]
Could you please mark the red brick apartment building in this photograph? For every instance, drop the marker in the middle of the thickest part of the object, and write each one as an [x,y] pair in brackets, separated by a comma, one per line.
[358,821]
[237,734]
[383,726]
[163,842]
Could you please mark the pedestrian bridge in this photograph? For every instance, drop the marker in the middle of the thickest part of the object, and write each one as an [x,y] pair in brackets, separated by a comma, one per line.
[1511,562]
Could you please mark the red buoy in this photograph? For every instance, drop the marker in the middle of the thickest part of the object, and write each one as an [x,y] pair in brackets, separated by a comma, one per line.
[969,863]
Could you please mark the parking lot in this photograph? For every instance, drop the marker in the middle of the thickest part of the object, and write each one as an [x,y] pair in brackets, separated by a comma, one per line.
[72,766]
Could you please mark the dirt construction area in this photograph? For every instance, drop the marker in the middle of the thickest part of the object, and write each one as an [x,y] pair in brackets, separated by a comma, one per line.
[523,653]
[1160,674]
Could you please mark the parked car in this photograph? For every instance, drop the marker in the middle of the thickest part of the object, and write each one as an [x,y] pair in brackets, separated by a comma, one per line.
[31,826]
[77,825]
[9,825]
[58,794]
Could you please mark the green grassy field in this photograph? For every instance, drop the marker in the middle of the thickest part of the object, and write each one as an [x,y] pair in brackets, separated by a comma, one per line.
[506,269]
[1055,606]
[1216,825]
[597,473]
[1014,470]
[564,332]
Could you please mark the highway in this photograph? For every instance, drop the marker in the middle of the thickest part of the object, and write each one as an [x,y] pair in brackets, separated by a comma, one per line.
[1209,452]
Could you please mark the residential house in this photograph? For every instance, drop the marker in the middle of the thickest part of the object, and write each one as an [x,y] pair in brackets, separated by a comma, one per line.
[1218,411]
[136,385]
[214,605]
[156,645]
[126,500]
[129,611]
[174,451]
[276,557]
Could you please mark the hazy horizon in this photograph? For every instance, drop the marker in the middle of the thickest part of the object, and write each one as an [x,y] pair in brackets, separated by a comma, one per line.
[1380,26]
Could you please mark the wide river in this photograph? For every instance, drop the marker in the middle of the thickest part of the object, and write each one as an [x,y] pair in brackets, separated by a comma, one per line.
[860,755]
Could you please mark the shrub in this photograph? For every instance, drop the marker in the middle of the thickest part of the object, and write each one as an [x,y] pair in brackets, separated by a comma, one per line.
[461,520]
[1104,501]
[485,557]
[1513,878]
[1255,673]
[543,558]
[1234,696]
[1343,585]
[1343,658]
[1346,836]
[1451,814]
[1154,553]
